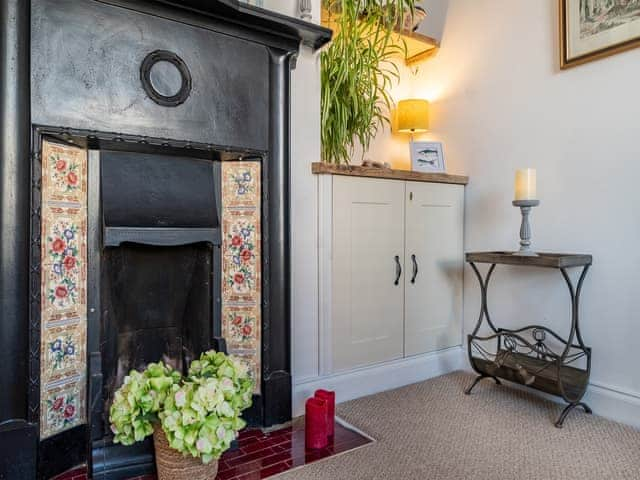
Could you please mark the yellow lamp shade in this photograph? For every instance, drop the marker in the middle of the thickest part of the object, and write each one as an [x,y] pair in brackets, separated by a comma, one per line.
[412,116]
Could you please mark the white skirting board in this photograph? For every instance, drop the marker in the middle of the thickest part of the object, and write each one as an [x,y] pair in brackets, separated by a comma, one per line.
[615,404]
[606,401]
[381,377]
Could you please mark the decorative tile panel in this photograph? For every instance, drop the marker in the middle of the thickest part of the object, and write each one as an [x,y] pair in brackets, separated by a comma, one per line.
[63,359]
[241,260]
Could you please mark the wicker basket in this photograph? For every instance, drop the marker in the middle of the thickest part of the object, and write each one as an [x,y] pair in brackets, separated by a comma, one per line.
[172,465]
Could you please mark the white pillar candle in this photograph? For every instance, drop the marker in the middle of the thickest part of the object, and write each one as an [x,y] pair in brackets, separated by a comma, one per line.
[526,184]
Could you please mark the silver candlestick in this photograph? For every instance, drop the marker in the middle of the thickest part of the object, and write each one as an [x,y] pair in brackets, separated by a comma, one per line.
[525,227]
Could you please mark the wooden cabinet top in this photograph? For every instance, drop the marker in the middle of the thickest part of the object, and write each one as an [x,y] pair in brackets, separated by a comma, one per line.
[371,172]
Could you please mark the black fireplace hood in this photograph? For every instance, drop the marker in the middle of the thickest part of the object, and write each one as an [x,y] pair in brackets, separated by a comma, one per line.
[176,199]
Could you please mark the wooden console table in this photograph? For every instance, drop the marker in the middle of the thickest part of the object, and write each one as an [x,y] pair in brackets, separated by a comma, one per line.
[525,355]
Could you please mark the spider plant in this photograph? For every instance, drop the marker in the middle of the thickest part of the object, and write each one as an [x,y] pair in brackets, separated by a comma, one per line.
[357,70]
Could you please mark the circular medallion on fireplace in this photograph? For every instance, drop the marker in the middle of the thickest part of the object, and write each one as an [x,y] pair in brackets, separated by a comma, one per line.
[166,78]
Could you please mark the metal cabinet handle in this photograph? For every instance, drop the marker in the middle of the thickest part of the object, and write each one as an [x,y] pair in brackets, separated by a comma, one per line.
[398,270]
[415,269]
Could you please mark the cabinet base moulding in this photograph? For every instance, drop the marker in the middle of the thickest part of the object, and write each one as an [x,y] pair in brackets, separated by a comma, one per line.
[380,377]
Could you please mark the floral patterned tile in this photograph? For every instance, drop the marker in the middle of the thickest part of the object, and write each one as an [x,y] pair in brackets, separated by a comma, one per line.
[64,253]
[64,173]
[63,351]
[242,327]
[63,293]
[252,361]
[63,407]
[241,281]
[64,233]
[241,185]
[241,236]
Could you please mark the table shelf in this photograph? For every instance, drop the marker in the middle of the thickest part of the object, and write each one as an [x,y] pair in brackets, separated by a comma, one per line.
[546,378]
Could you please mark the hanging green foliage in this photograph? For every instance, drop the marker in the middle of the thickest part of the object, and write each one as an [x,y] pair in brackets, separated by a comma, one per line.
[357,70]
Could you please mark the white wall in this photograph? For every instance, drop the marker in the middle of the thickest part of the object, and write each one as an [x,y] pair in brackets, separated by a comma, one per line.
[305,149]
[286,7]
[500,103]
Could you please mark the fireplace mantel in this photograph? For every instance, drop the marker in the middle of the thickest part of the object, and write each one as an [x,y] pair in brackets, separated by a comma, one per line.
[273,28]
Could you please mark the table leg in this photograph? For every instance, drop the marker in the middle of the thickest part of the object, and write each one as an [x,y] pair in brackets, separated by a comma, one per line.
[574,293]
[560,422]
[484,287]
[477,380]
[575,303]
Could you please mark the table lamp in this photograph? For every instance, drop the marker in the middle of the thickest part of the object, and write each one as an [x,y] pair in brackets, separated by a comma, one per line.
[412,116]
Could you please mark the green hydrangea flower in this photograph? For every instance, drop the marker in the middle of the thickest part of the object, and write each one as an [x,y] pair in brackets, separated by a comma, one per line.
[137,402]
[201,416]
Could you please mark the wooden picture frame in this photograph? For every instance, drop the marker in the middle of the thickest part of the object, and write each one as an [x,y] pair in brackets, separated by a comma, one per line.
[614,30]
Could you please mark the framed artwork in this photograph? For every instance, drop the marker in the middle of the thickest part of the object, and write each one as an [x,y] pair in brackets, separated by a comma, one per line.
[427,157]
[594,29]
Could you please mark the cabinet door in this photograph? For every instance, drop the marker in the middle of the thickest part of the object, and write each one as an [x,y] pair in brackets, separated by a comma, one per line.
[368,250]
[434,260]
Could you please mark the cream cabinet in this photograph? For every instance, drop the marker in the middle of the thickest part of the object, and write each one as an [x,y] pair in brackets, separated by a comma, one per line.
[396,270]
[434,261]
[368,294]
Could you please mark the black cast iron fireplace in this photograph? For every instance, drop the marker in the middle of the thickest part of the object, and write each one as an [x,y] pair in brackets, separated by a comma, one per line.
[154,91]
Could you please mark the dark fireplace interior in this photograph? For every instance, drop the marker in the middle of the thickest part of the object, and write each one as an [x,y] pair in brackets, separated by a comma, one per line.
[156,304]
[158,290]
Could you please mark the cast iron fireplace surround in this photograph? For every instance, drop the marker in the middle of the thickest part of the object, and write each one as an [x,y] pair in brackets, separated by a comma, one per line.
[70,70]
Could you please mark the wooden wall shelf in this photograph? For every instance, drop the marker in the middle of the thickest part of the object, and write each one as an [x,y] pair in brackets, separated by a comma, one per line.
[358,171]
[419,46]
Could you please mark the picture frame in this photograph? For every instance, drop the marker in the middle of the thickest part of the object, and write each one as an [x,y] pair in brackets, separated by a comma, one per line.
[427,157]
[595,29]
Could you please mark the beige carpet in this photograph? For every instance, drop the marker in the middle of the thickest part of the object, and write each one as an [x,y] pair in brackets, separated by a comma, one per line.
[432,431]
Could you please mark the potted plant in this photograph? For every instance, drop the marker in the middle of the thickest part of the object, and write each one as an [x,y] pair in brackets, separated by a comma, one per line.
[193,418]
[357,70]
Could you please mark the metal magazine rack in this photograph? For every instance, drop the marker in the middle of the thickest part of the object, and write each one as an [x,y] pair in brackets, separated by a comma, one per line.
[533,355]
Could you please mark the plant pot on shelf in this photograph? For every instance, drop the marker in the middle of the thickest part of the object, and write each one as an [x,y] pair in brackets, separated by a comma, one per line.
[172,465]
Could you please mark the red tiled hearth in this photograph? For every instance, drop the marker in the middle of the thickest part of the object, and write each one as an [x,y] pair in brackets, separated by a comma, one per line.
[261,455]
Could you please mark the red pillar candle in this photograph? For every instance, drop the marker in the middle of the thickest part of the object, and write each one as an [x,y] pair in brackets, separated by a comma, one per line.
[330,398]
[316,419]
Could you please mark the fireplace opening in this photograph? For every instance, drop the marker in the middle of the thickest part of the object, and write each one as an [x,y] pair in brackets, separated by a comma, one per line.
[157,305]
[157,244]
